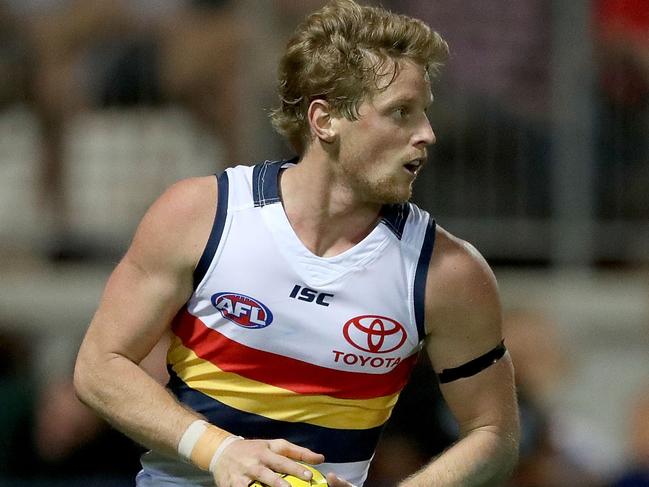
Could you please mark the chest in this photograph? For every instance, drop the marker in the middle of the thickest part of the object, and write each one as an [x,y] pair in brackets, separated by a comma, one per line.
[353,314]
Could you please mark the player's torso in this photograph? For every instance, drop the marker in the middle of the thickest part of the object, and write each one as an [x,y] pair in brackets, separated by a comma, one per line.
[351,313]
[278,342]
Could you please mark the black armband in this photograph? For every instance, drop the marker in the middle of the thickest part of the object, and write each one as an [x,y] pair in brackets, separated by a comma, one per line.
[474,366]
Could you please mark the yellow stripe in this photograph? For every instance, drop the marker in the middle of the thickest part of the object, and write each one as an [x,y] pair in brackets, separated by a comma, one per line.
[275,402]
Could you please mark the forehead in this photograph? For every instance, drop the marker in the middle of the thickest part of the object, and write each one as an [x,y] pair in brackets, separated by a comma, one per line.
[411,81]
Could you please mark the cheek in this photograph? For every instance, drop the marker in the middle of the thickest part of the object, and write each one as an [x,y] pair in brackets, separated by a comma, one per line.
[379,126]
[380,136]
[372,139]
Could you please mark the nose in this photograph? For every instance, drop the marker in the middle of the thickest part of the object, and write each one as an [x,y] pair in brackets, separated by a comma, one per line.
[425,135]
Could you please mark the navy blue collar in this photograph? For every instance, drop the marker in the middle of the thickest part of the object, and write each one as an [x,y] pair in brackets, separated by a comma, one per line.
[265,191]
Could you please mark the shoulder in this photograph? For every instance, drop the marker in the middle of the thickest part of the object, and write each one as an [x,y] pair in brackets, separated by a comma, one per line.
[190,192]
[457,263]
[183,204]
[462,300]
[178,223]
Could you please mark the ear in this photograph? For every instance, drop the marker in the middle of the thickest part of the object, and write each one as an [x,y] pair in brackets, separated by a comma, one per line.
[321,121]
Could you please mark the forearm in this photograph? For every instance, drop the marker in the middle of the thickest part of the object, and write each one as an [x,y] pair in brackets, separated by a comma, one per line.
[132,401]
[481,459]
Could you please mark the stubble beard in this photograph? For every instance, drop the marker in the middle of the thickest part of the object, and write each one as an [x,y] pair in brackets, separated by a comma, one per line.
[383,190]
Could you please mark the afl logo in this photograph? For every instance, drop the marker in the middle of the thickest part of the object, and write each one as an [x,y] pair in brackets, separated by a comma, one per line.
[376,334]
[242,310]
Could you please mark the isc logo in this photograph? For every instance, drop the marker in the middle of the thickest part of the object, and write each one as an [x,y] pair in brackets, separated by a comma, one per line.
[310,295]
[242,310]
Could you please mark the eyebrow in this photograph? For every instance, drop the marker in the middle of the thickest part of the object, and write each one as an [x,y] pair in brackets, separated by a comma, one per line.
[408,99]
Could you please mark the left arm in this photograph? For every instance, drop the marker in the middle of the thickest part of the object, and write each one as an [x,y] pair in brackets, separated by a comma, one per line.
[463,323]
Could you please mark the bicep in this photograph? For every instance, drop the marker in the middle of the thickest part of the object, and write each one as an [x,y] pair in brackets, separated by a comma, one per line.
[135,310]
[486,400]
[463,312]
[480,391]
[464,333]
[155,277]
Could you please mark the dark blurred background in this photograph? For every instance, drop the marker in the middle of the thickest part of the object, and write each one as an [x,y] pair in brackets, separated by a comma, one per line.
[542,162]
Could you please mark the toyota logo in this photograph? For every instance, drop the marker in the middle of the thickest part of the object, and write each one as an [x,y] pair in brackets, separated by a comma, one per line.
[375,334]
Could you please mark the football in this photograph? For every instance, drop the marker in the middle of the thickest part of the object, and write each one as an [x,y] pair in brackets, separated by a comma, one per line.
[317,479]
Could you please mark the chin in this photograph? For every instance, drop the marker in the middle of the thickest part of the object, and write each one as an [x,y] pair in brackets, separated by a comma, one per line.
[384,190]
[393,195]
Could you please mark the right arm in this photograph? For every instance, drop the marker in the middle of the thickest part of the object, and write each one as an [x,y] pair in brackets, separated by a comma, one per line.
[143,294]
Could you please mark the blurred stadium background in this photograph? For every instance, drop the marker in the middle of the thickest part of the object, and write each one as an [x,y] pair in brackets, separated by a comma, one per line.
[542,161]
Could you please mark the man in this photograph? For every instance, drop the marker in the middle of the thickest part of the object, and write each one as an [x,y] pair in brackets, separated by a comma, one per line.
[297,306]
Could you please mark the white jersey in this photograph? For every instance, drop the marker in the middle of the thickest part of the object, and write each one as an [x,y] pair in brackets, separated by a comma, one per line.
[277,342]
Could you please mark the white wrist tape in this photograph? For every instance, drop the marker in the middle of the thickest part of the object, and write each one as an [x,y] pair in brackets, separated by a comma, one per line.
[190,437]
[203,458]
[219,451]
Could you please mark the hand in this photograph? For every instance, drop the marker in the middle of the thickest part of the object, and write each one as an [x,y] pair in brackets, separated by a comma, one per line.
[334,481]
[244,461]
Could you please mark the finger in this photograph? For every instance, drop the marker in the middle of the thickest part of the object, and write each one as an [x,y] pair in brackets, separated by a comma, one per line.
[335,481]
[270,478]
[279,463]
[296,452]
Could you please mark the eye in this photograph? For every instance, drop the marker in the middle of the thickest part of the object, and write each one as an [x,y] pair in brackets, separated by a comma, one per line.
[401,112]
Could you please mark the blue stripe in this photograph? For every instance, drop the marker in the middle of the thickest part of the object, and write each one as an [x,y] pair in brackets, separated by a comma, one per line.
[337,445]
[395,216]
[420,277]
[217,229]
[265,184]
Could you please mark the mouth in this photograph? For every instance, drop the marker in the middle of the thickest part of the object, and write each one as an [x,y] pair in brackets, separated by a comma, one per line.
[414,166]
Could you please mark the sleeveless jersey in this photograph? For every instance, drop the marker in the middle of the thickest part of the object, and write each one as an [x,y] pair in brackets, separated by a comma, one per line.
[276,342]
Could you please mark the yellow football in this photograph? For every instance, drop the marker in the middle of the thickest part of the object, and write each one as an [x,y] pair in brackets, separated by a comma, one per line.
[317,479]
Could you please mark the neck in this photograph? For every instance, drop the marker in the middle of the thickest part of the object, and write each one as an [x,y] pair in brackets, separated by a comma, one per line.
[324,212]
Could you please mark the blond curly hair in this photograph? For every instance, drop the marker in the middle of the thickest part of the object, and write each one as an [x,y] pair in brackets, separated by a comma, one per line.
[339,53]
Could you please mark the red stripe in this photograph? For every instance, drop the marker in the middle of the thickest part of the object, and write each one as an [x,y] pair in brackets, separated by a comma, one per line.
[287,373]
